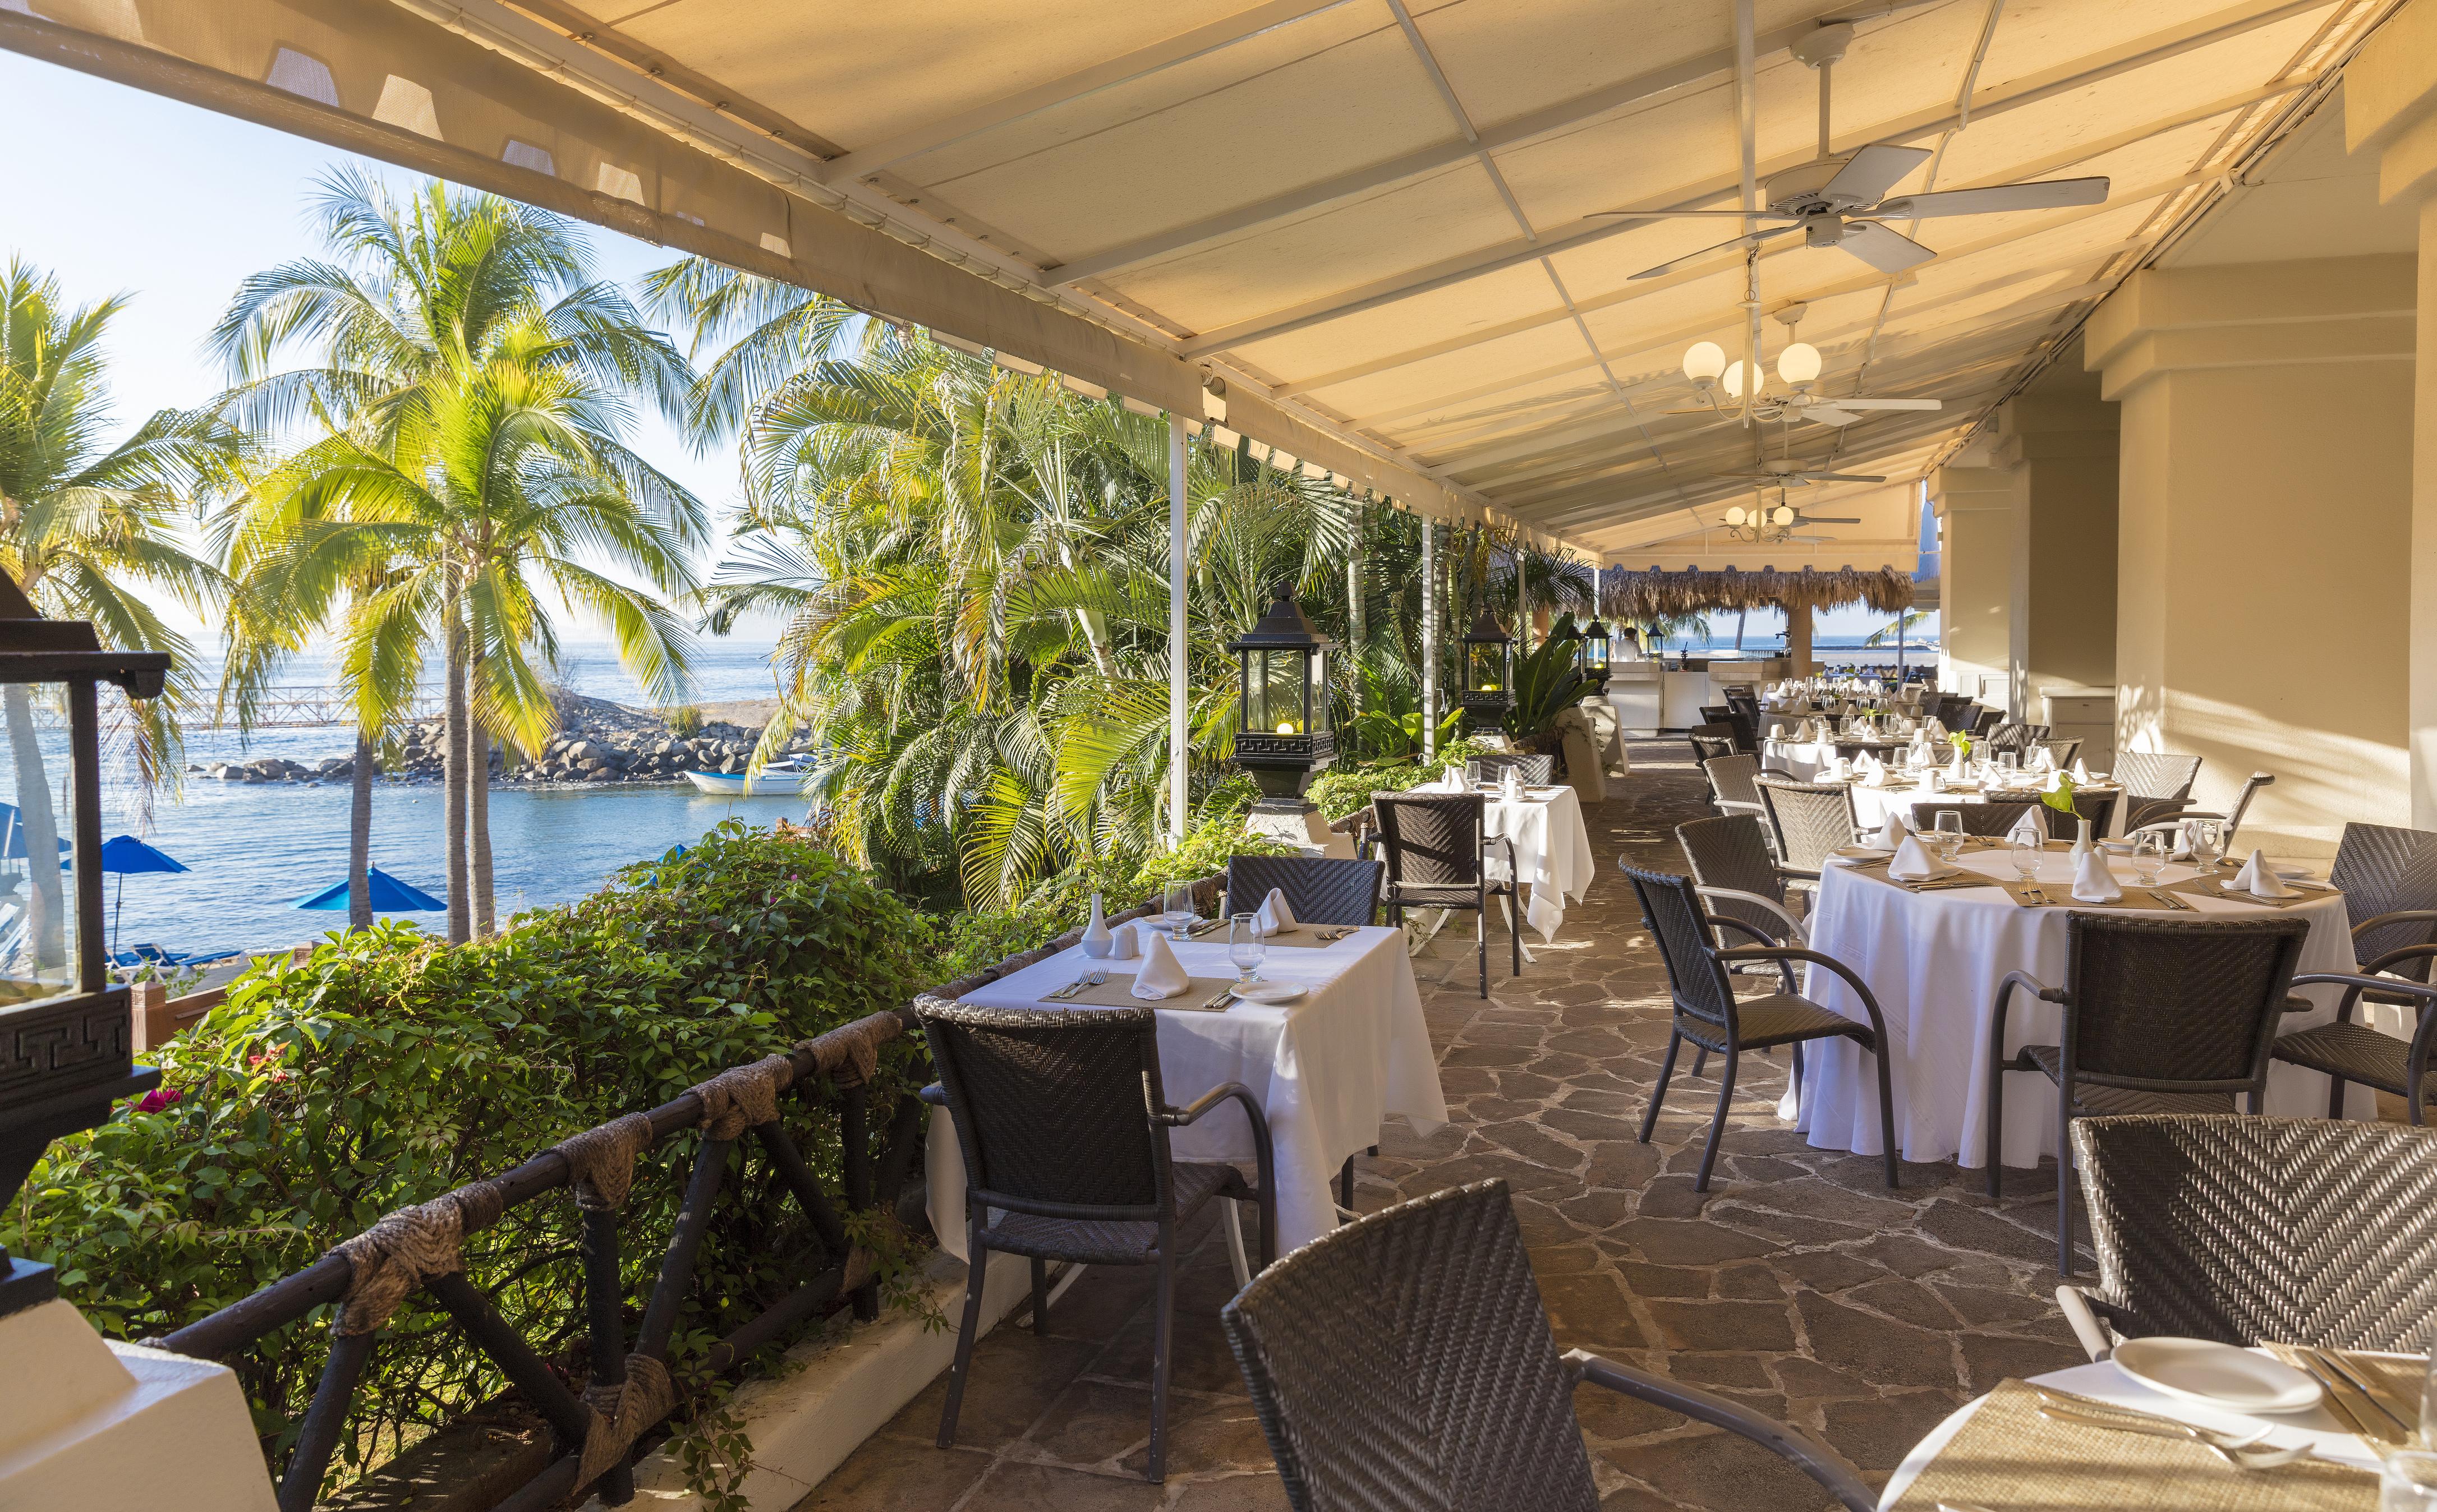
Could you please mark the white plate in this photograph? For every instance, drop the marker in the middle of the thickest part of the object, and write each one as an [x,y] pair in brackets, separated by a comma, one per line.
[2217,1375]
[1269,991]
[1863,852]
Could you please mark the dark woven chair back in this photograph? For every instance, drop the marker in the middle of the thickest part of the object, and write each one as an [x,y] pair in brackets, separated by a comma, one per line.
[1812,819]
[1405,1362]
[1432,838]
[1978,818]
[1319,888]
[2387,869]
[2016,738]
[1730,777]
[1712,741]
[1540,770]
[2250,787]
[2099,808]
[1985,719]
[1053,1107]
[2247,1230]
[2174,999]
[1694,979]
[2155,775]
[1732,852]
[2063,753]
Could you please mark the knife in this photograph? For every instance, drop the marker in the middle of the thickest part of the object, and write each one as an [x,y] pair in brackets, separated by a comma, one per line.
[2293,1355]
[2336,1364]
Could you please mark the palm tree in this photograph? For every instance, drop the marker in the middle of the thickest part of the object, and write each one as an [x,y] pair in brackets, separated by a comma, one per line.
[471,393]
[80,521]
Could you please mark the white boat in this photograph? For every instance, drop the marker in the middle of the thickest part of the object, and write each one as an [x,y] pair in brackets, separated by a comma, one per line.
[786,775]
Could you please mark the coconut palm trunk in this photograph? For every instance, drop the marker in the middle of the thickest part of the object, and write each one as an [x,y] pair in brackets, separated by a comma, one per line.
[46,911]
[359,835]
[453,778]
[477,810]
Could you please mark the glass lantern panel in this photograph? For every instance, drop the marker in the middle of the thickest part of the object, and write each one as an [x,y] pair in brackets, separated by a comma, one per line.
[1281,692]
[1488,668]
[1316,669]
[38,927]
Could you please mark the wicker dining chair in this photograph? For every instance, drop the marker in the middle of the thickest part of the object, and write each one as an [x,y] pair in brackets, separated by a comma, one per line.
[2161,1015]
[1984,719]
[1437,856]
[1708,1013]
[1991,818]
[2061,754]
[1731,789]
[1328,890]
[1063,1124]
[1538,769]
[2156,786]
[2347,1052]
[1808,821]
[2388,875]
[1404,1360]
[1709,741]
[2099,808]
[2251,1229]
[2016,738]
[1736,876]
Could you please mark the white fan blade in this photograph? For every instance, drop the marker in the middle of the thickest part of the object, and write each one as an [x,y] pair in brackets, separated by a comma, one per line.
[1757,235]
[2047,193]
[1842,478]
[1826,519]
[1888,404]
[1694,215]
[1889,252]
[1830,415]
[1872,172]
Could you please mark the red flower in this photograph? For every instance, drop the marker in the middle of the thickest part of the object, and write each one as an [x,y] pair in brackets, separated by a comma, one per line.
[159,1098]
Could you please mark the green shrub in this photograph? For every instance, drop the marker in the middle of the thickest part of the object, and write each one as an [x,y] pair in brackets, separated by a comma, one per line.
[1344,789]
[685,721]
[387,1069]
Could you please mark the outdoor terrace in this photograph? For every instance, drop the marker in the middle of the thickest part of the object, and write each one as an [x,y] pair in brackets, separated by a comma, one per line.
[1798,1283]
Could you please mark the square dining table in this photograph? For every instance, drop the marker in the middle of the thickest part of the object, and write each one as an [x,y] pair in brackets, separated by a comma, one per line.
[1327,1068]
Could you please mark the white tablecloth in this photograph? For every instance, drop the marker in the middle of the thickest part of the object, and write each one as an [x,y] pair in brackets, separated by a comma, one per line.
[1552,850]
[1933,961]
[2103,1382]
[1327,1069]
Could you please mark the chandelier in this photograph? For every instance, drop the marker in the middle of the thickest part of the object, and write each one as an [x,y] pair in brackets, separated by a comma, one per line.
[1759,522]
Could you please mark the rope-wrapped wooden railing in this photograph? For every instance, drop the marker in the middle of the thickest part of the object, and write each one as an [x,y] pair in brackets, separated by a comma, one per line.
[629,1393]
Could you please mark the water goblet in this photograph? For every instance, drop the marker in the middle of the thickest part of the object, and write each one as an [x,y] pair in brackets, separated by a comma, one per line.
[2207,840]
[2149,856]
[2026,854]
[1948,833]
[1175,904]
[2008,763]
[2407,1482]
[1246,947]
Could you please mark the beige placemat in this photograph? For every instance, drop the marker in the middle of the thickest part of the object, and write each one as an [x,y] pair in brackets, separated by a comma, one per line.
[2008,1458]
[2060,895]
[2393,1378]
[1118,992]
[1307,936]
[2206,885]
[1877,871]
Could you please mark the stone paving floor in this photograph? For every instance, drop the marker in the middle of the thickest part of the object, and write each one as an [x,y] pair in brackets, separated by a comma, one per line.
[1798,1283]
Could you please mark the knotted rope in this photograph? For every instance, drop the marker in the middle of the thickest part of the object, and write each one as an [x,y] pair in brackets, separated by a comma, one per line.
[601,1161]
[855,1046]
[391,1258]
[744,1097]
[623,1414]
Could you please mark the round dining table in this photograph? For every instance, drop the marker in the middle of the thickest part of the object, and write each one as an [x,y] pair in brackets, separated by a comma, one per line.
[1933,961]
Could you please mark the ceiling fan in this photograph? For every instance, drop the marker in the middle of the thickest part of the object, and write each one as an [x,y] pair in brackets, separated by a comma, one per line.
[1839,201]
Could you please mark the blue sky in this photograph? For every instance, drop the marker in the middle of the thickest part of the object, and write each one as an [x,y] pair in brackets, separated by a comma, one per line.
[119,191]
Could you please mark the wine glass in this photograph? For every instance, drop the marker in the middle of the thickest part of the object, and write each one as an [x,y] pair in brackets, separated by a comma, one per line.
[2149,856]
[2027,853]
[1471,775]
[1177,908]
[2407,1482]
[2208,841]
[1246,947]
[1948,833]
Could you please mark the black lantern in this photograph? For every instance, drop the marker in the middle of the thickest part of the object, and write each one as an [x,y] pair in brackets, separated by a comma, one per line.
[1282,730]
[1595,654]
[66,1054]
[1488,689]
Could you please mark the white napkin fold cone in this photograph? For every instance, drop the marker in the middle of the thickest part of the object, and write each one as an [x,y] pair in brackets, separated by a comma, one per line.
[2043,760]
[1776,731]
[2080,772]
[1894,832]
[1913,864]
[2028,825]
[2259,879]
[1274,916]
[2093,882]
[1161,975]
[1934,730]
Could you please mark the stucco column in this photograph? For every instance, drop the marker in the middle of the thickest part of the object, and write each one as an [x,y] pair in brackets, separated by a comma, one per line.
[1799,615]
[1975,580]
[2264,532]
[2391,106]
[2058,439]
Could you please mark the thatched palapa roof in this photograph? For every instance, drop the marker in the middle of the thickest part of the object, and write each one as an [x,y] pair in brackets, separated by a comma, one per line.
[1657,593]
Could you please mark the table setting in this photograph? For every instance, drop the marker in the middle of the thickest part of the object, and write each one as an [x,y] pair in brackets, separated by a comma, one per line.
[1327,1031]
[1553,844]
[1933,922]
[2186,1425]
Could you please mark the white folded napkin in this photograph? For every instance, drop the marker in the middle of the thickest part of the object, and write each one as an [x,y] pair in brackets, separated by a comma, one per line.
[1776,731]
[2259,879]
[1274,916]
[1933,729]
[1913,864]
[2093,882]
[1161,975]
[1452,782]
[1878,778]
[2028,825]
[2080,772]
[1895,831]
[2042,760]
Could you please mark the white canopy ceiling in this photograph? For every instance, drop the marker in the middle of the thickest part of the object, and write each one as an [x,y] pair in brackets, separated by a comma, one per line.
[1373,221]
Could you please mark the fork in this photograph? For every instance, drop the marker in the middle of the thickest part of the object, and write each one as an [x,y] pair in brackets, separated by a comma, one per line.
[2239,1452]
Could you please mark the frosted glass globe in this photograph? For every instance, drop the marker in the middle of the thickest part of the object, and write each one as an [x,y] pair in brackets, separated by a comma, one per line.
[1735,515]
[1798,363]
[1704,361]
[1785,515]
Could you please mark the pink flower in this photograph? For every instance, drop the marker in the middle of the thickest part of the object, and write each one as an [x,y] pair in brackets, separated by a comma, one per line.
[159,1098]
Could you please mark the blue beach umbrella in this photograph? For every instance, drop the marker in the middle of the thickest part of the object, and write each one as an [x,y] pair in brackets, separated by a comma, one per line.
[122,854]
[13,833]
[390,896]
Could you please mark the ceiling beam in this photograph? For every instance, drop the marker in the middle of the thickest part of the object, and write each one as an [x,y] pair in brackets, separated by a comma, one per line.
[2076,74]
[1548,122]
[1182,48]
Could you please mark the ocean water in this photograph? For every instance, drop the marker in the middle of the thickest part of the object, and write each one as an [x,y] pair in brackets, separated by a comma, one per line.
[253,849]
